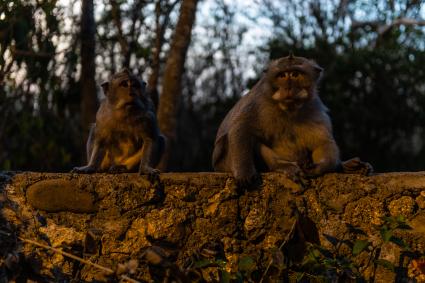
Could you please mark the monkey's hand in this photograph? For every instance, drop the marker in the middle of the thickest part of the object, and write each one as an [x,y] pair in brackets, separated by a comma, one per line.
[291,168]
[153,174]
[315,169]
[84,169]
[247,181]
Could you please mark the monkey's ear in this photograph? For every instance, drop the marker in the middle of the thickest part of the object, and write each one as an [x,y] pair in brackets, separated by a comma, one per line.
[105,87]
[316,67]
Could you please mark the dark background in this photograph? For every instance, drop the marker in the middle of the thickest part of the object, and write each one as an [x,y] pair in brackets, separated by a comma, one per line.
[373,53]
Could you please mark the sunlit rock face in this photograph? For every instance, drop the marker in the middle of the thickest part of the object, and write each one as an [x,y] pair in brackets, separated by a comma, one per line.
[198,226]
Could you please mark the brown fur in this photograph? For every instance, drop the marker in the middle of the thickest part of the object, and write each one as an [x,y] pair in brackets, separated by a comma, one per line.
[280,125]
[125,137]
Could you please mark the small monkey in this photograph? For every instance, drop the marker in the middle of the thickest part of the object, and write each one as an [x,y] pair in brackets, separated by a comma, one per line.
[125,137]
[280,125]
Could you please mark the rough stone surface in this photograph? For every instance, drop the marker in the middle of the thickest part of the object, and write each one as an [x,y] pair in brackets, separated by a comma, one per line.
[171,228]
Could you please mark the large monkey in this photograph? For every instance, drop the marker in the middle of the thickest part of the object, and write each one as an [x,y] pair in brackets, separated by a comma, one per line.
[280,125]
[125,137]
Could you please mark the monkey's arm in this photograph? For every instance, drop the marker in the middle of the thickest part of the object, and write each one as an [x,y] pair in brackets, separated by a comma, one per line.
[325,158]
[146,155]
[96,157]
[276,164]
[241,151]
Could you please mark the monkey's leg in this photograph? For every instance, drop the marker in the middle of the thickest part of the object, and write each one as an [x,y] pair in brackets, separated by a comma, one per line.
[133,160]
[158,150]
[241,153]
[97,155]
[277,164]
[325,159]
[220,157]
[90,141]
[146,155]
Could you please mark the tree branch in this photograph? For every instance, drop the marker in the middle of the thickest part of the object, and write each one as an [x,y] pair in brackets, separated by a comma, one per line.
[116,17]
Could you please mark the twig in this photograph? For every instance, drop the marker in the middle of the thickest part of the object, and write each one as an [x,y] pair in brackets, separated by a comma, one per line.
[30,53]
[382,28]
[105,269]
[108,270]
[287,238]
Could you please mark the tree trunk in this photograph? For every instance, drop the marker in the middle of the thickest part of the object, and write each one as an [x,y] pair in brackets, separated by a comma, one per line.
[159,39]
[174,67]
[160,27]
[116,16]
[89,101]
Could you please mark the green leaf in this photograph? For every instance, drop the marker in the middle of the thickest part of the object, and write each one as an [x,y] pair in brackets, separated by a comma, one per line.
[359,246]
[386,234]
[400,219]
[225,277]
[400,242]
[404,226]
[386,264]
[202,263]
[246,264]
[221,263]
[334,241]
[300,276]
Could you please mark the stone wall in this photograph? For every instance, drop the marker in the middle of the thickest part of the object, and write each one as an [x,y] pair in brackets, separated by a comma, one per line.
[191,227]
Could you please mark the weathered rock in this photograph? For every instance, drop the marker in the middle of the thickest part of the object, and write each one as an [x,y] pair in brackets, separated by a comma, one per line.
[404,206]
[60,195]
[195,225]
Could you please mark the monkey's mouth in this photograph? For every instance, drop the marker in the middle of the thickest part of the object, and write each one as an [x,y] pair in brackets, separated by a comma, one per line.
[290,95]
[292,105]
[290,99]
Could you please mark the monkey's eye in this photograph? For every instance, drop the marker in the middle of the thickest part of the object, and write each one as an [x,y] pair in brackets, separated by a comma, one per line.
[282,75]
[124,83]
[294,74]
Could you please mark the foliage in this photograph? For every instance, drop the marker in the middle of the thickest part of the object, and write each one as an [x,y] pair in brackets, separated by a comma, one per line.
[37,103]
[321,264]
[331,264]
[372,82]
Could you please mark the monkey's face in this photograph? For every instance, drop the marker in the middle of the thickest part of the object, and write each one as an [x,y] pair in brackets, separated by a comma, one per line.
[293,81]
[124,90]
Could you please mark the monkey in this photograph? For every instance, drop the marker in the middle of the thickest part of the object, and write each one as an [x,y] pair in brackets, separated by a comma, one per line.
[280,125]
[125,136]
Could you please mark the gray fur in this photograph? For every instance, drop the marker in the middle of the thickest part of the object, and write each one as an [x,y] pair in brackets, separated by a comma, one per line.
[260,134]
[125,137]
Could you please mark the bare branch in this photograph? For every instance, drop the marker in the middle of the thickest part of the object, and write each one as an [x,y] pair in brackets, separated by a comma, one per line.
[116,17]
[69,255]
[398,22]
[382,28]
[30,53]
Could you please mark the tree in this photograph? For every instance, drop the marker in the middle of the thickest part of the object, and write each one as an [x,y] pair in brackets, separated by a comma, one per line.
[372,81]
[89,101]
[162,17]
[173,72]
